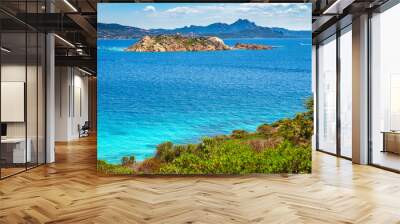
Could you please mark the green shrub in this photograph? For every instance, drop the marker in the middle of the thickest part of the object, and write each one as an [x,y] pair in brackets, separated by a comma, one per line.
[309,105]
[238,134]
[222,137]
[286,158]
[234,157]
[128,161]
[193,148]
[297,130]
[149,166]
[300,128]
[261,144]
[266,130]
[165,152]
[179,149]
[106,168]
[212,141]
[185,164]
[208,141]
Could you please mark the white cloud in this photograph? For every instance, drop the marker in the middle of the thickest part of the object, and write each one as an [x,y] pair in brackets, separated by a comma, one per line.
[303,7]
[275,8]
[182,10]
[149,8]
[264,5]
[240,9]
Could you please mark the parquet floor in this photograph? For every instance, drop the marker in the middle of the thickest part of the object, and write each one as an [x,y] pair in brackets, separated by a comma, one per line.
[70,191]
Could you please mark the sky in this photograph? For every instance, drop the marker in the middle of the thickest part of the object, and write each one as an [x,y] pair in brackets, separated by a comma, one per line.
[294,16]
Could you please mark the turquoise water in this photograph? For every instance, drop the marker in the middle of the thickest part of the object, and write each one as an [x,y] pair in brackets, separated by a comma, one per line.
[146,98]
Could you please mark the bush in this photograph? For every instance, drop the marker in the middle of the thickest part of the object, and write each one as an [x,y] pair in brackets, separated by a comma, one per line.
[186,164]
[149,166]
[298,130]
[208,141]
[128,161]
[221,137]
[261,144]
[238,134]
[309,105]
[106,168]
[179,149]
[266,130]
[234,157]
[165,152]
[286,158]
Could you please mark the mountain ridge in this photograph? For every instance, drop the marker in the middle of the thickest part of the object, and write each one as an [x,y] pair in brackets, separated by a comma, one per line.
[241,28]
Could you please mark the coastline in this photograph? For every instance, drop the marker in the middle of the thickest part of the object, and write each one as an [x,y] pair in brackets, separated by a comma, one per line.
[285,140]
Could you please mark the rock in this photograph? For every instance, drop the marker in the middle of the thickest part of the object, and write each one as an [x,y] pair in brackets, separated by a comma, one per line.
[252,46]
[163,43]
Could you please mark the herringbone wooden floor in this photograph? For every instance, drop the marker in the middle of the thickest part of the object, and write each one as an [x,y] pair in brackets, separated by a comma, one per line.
[70,191]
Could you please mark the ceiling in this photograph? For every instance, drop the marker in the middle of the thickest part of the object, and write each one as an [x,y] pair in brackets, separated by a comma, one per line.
[74,22]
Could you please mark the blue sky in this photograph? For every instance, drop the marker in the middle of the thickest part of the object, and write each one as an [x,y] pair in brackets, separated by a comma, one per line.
[295,16]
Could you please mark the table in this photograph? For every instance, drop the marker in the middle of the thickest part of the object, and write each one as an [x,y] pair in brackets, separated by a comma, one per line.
[391,141]
[17,149]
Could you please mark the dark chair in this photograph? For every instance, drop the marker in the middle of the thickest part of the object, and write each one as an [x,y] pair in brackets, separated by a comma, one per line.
[84,130]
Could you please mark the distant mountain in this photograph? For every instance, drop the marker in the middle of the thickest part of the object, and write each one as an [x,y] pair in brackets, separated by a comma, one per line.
[242,28]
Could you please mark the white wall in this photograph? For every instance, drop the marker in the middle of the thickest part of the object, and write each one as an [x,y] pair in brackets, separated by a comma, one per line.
[71,94]
[62,82]
[80,103]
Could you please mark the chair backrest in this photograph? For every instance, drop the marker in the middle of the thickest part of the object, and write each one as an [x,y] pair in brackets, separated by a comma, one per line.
[86,125]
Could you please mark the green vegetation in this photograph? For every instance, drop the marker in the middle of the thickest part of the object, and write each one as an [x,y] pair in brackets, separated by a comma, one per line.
[106,168]
[128,161]
[281,147]
[235,157]
[188,42]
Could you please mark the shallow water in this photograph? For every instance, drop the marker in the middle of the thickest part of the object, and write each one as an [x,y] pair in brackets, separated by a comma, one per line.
[147,98]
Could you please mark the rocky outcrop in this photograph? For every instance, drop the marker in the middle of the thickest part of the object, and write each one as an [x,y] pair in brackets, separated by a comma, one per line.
[165,43]
[252,46]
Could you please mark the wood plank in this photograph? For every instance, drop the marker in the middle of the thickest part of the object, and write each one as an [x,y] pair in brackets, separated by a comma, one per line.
[70,191]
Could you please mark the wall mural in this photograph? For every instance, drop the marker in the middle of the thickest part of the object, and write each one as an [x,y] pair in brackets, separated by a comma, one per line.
[193,88]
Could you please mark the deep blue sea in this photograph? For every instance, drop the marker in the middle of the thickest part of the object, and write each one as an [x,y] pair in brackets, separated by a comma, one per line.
[146,98]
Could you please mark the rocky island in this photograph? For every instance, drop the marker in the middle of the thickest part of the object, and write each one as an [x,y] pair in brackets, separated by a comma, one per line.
[252,46]
[164,43]
[167,43]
